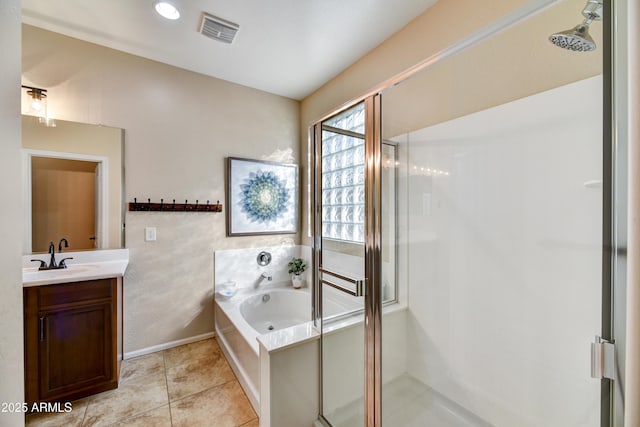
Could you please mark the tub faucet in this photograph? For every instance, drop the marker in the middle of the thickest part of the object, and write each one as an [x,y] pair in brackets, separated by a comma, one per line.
[260,279]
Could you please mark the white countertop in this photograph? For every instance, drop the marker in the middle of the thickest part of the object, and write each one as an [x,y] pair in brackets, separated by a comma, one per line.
[85,265]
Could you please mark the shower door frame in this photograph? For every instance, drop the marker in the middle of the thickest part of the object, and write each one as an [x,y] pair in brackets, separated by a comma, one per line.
[372,249]
[373,260]
[612,397]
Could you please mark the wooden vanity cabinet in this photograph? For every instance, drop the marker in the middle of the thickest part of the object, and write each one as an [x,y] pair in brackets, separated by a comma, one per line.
[70,340]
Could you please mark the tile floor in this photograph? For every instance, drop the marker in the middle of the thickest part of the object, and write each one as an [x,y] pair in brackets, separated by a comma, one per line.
[191,385]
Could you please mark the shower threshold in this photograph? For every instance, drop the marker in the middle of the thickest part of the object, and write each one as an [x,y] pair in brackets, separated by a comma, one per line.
[408,402]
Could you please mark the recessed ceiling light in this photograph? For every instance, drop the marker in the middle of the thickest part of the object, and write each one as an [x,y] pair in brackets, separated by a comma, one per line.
[167,9]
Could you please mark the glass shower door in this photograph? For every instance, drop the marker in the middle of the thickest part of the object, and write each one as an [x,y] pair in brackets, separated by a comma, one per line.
[500,247]
[339,251]
[481,244]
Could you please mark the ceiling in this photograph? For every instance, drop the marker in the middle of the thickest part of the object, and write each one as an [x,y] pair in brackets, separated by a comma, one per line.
[285,47]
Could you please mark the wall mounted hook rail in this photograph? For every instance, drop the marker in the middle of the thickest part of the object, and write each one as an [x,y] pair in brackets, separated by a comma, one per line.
[149,206]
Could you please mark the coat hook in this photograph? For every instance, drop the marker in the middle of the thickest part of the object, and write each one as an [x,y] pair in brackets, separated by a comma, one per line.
[186,204]
[196,208]
[207,208]
[174,204]
[161,204]
[135,204]
[148,204]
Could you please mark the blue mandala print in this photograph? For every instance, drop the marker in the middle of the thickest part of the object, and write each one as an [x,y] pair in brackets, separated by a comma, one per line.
[264,197]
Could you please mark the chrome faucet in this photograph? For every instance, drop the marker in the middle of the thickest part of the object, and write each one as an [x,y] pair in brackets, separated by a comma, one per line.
[260,279]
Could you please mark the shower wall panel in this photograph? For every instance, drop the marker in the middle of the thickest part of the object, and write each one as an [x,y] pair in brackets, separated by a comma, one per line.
[504,257]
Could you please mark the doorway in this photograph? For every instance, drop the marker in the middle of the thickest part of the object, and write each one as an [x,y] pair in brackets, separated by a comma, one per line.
[63,202]
[66,197]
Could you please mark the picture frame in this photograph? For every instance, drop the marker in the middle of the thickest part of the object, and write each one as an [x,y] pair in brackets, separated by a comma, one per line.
[262,197]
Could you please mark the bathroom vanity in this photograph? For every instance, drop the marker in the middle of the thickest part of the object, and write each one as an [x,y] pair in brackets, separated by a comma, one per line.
[70,340]
[73,329]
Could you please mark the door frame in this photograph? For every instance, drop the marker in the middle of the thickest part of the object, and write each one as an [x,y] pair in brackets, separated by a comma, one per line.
[102,196]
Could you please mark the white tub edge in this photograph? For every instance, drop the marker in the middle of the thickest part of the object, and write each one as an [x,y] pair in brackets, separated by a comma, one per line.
[283,339]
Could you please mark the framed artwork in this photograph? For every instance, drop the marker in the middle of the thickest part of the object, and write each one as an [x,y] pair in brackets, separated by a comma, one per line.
[262,197]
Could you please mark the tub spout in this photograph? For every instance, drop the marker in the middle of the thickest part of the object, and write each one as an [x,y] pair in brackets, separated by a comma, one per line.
[263,276]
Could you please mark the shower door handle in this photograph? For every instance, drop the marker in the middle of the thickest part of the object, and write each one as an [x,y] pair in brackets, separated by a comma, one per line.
[359,284]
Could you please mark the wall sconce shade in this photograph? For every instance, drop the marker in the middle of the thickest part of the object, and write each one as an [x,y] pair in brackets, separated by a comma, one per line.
[38,105]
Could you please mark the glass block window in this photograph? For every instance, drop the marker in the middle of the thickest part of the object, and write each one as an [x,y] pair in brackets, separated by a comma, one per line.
[343,176]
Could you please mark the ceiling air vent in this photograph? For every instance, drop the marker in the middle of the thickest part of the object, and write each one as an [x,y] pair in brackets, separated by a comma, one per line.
[217,28]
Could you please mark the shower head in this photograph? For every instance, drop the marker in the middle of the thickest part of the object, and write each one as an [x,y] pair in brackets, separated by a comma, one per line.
[578,38]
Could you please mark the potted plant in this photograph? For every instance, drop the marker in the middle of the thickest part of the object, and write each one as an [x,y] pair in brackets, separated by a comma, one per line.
[297,266]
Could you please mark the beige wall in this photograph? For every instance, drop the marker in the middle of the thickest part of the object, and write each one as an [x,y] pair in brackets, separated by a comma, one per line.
[437,28]
[179,127]
[11,356]
[527,68]
[513,64]
[82,138]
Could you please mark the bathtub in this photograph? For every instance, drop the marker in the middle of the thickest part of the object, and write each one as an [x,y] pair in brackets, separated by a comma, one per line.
[275,317]
[251,313]
[276,309]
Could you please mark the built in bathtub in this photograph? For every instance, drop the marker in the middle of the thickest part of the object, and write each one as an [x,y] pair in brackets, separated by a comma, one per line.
[276,316]
[276,309]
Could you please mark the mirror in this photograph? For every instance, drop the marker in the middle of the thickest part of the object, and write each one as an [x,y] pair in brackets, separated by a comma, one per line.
[73,183]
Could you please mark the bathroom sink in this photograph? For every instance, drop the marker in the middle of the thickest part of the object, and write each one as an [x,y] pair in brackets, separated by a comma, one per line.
[84,265]
[31,274]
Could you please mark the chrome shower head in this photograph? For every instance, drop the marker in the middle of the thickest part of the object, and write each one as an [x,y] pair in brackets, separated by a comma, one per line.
[578,38]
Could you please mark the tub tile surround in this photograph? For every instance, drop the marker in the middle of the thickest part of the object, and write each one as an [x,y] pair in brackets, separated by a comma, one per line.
[145,396]
[241,266]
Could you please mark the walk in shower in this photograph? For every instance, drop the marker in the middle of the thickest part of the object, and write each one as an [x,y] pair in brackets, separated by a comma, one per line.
[464,209]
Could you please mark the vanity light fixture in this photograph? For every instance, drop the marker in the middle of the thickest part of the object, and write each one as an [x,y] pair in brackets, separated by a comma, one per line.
[167,9]
[38,105]
[38,99]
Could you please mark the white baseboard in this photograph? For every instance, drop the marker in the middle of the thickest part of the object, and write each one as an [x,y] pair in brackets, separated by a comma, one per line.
[164,346]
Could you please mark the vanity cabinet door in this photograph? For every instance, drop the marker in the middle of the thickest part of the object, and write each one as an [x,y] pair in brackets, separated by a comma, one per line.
[70,340]
[75,349]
